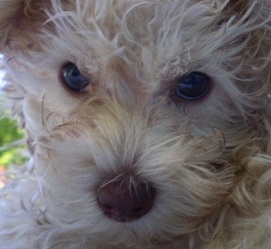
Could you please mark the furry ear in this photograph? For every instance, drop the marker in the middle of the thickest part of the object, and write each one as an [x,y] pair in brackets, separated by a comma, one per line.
[16,17]
[248,25]
[11,12]
[20,21]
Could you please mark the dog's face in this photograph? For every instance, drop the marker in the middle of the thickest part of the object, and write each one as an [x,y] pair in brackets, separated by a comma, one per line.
[147,120]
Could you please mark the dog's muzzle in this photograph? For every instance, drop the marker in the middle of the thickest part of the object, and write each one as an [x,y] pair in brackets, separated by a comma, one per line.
[122,201]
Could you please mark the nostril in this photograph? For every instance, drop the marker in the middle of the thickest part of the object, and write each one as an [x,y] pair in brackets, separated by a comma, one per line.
[123,201]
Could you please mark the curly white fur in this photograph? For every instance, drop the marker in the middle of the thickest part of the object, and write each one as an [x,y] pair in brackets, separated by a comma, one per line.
[209,160]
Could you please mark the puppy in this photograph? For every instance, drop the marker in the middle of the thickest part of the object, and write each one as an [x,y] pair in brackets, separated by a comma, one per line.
[147,123]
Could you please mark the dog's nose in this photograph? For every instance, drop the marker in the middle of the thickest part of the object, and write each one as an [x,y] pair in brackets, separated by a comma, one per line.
[122,201]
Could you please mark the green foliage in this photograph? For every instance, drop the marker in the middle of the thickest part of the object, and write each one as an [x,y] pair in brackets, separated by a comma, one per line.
[11,148]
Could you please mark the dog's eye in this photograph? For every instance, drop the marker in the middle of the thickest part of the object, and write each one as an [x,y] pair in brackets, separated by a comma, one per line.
[73,78]
[193,86]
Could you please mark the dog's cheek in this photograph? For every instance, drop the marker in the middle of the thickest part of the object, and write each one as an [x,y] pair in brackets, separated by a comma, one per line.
[33,116]
[45,103]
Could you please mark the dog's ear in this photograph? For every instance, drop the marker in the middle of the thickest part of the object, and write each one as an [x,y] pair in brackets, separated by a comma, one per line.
[20,22]
[17,18]
[11,12]
[246,28]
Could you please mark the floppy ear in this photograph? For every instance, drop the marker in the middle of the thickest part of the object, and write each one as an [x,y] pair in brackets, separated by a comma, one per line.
[18,28]
[245,26]
[11,12]
[16,18]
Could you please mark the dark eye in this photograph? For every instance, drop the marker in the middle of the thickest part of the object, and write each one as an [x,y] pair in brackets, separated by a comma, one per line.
[193,86]
[73,78]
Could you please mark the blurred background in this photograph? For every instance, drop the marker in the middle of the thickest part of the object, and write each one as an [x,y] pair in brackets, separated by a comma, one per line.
[12,148]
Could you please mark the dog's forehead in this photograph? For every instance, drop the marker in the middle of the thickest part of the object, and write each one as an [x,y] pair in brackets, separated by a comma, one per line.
[155,38]
[141,23]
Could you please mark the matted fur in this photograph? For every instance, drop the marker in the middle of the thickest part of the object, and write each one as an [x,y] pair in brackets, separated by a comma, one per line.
[209,160]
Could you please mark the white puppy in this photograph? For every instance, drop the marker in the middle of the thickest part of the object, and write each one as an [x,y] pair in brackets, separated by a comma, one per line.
[147,122]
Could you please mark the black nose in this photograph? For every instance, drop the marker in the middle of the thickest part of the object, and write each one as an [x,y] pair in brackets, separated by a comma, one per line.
[122,201]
